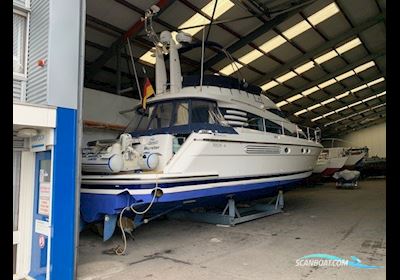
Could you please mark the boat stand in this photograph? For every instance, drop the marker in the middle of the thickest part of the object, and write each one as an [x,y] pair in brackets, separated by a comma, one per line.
[232,215]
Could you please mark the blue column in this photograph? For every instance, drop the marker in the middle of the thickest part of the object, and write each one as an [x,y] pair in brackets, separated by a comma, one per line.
[63,196]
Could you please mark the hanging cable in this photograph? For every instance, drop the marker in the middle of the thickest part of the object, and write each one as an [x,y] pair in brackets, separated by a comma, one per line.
[212,19]
[134,69]
[119,250]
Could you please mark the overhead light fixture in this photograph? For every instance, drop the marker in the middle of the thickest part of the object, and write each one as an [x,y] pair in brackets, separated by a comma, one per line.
[334,80]
[148,57]
[328,56]
[341,109]
[327,83]
[300,112]
[355,103]
[369,98]
[376,81]
[323,14]
[359,88]
[230,68]
[294,98]
[364,67]
[273,43]
[355,114]
[325,57]
[269,85]
[305,67]
[317,118]
[286,77]
[328,114]
[282,103]
[253,55]
[289,33]
[198,19]
[297,29]
[345,75]
[348,46]
[343,95]
[310,90]
[328,101]
[314,107]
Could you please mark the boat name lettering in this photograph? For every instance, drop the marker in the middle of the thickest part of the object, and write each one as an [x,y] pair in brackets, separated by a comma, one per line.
[151,148]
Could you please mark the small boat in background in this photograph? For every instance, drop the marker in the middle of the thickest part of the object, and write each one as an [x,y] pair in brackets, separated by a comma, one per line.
[331,160]
[357,157]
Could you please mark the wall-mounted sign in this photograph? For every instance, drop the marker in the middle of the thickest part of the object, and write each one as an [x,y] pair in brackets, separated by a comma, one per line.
[40,142]
[42,227]
[44,198]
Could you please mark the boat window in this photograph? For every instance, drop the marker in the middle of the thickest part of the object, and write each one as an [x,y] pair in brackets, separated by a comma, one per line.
[204,112]
[255,122]
[175,113]
[162,116]
[140,119]
[181,116]
[272,127]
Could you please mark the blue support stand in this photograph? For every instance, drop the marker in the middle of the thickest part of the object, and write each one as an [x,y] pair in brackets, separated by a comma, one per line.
[232,215]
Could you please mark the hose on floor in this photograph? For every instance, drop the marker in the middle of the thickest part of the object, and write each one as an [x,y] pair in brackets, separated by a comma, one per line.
[119,250]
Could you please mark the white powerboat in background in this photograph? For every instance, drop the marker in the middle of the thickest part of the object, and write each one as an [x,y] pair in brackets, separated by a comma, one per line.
[331,160]
[357,157]
[199,141]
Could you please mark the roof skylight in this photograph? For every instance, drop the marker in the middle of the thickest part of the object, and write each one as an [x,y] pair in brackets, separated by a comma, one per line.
[289,33]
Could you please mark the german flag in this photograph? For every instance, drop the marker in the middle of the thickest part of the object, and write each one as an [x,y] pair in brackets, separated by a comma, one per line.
[147,92]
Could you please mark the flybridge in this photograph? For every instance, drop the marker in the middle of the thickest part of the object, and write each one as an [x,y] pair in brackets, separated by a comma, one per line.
[220,81]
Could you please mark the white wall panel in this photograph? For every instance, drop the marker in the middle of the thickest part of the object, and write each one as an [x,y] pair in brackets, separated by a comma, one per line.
[374,137]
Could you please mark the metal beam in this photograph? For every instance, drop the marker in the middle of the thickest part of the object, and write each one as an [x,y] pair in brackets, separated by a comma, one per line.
[104,48]
[334,128]
[334,74]
[335,94]
[329,44]
[346,130]
[251,36]
[353,118]
[141,42]
[120,42]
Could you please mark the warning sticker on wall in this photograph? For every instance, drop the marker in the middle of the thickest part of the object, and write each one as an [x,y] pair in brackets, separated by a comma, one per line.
[42,241]
[44,198]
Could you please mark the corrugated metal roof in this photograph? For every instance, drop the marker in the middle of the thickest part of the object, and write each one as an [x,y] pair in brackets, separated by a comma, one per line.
[310,33]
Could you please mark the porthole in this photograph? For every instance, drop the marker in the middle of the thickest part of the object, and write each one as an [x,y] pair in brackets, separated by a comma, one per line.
[286,150]
[308,151]
[303,150]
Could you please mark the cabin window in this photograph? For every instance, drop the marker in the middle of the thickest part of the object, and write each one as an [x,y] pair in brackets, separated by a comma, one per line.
[162,116]
[175,113]
[255,122]
[204,112]
[272,127]
[181,116]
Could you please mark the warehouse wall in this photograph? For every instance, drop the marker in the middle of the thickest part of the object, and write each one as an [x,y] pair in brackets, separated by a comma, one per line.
[103,107]
[374,137]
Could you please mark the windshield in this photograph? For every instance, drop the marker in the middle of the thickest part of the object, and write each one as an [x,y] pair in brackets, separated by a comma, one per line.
[175,113]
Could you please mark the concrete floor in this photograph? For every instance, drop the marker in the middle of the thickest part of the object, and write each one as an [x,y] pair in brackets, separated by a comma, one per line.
[318,219]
